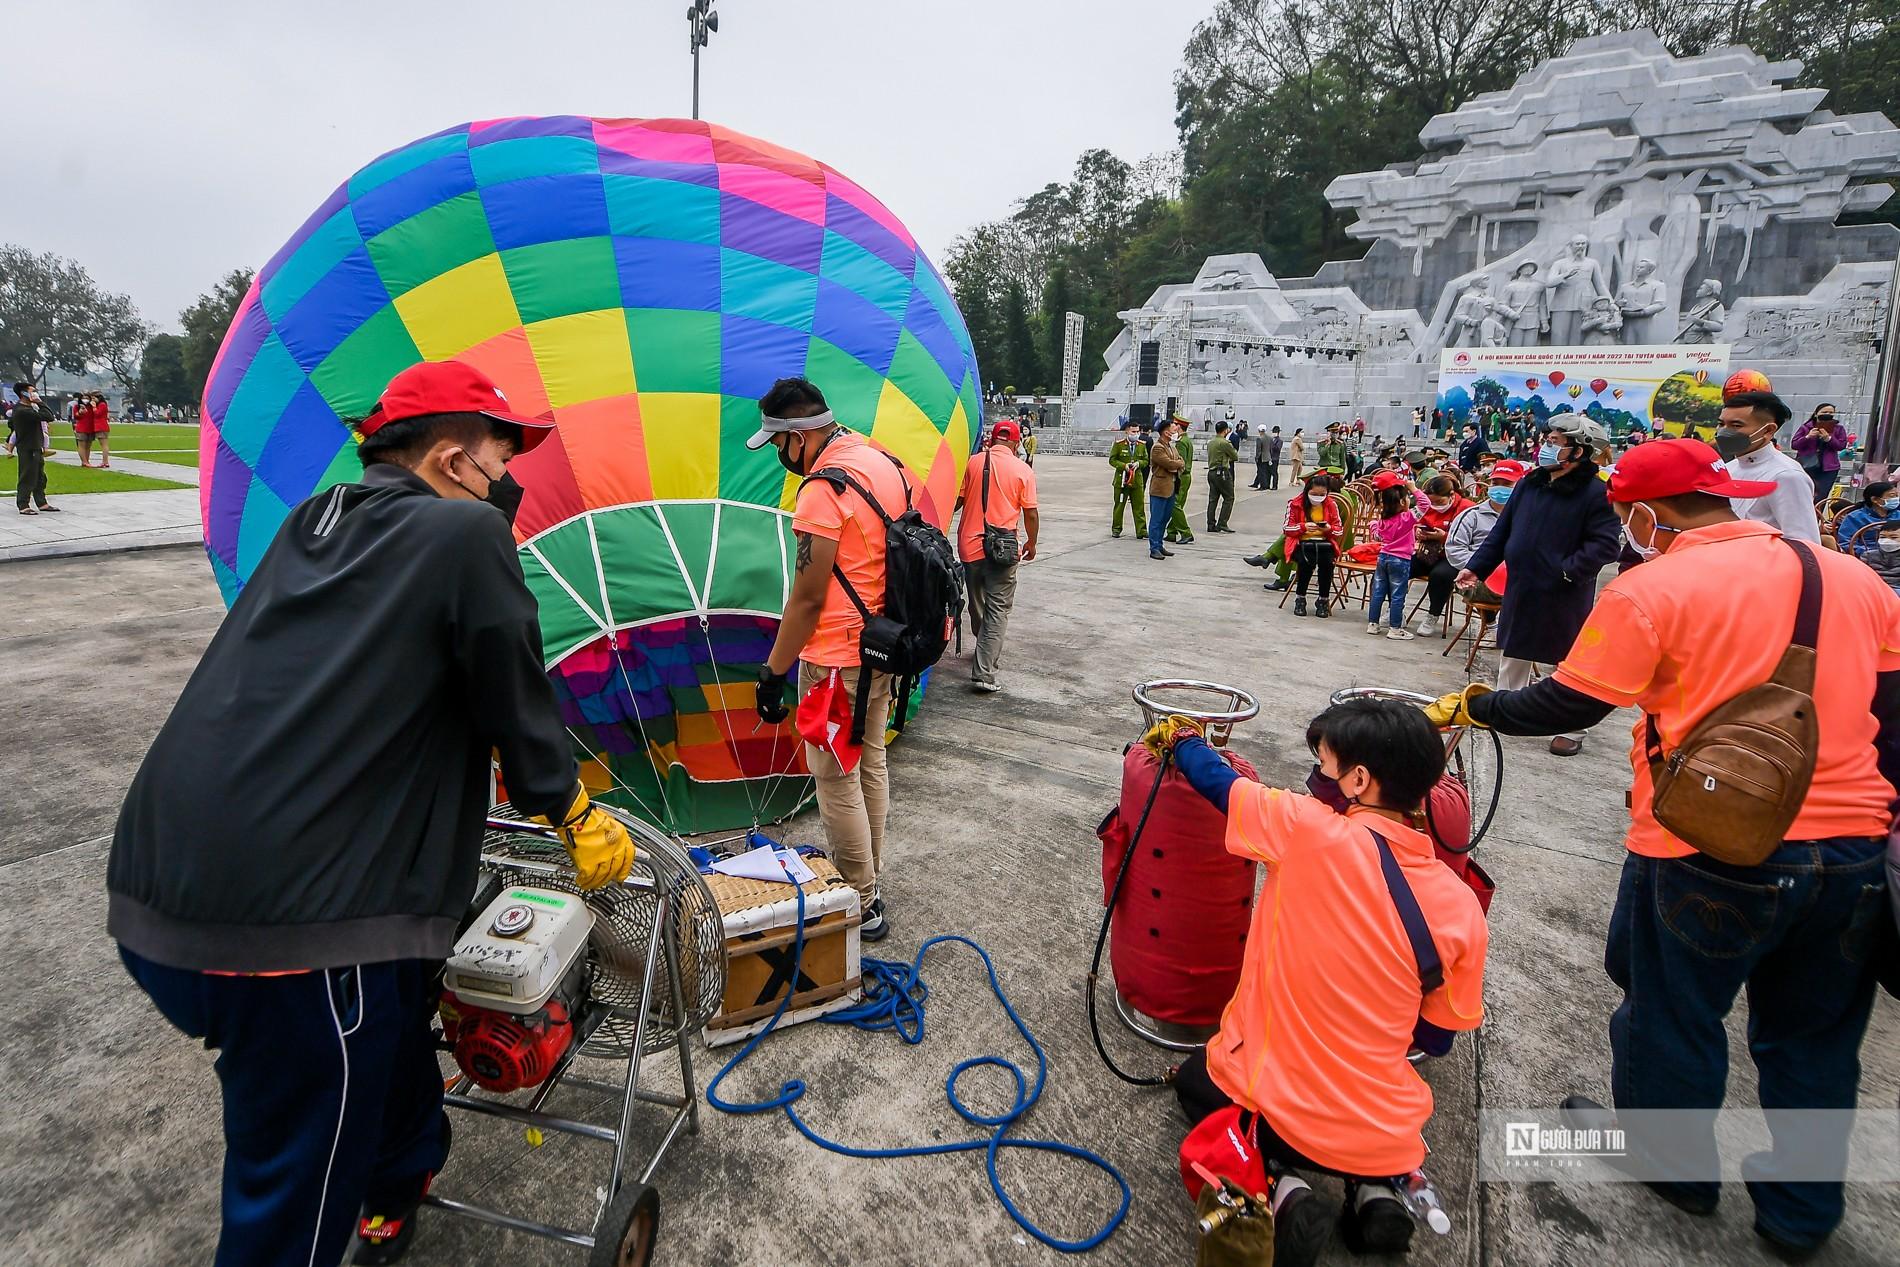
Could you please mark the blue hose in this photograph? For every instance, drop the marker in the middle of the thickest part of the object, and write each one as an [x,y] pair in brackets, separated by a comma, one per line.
[894,994]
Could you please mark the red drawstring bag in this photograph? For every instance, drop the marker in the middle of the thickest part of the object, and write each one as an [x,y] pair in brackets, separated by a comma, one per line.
[824,720]
[1222,1143]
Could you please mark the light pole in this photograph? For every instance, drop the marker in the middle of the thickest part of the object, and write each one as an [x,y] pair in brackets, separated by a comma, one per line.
[701,22]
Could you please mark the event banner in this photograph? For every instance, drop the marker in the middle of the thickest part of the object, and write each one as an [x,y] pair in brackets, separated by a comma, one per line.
[1665,388]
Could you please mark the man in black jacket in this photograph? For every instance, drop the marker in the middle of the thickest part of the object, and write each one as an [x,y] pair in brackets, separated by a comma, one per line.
[28,423]
[298,847]
[1556,533]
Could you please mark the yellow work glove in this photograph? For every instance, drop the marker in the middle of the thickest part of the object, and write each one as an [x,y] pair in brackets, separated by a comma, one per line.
[1455,709]
[600,847]
[1164,734]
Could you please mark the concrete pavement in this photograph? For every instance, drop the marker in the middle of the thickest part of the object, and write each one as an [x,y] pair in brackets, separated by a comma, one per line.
[111,1147]
[100,523]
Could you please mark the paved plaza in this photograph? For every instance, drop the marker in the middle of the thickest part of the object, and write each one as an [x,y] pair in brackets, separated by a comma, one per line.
[112,1120]
[89,523]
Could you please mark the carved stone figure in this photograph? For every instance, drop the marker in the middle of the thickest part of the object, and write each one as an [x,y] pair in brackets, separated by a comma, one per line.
[1467,319]
[1706,316]
[1491,331]
[1640,300]
[1573,284]
[1601,326]
[1524,306]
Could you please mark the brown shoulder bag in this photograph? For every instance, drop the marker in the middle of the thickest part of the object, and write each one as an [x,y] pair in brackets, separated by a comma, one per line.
[1734,784]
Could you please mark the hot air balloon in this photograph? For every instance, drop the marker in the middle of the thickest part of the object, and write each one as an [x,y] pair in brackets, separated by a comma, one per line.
[1701,378]
[1556,378]
[643,281]
[1530,384]
[1575,390]
[1597,385]
[1616,393]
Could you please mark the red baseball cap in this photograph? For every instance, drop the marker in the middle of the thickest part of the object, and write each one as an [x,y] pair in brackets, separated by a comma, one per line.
[1006,429]
[450,387]
[1386,479]
[1510,471]
[1669,468]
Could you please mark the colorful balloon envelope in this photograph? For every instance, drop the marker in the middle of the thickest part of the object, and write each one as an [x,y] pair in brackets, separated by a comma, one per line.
[1530,384]
[1597,385]
[1746,381]
[1575,390]
[1556,378]
[642,281]
[1616,393]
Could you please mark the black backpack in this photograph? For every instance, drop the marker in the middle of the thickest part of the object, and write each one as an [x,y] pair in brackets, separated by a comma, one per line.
[923,598]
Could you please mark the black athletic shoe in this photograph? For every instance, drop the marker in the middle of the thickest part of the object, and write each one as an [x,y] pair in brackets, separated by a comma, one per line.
[1375,1221]
[1583,1113]
[1299,605]
[1167,553]
[1301,1224]
[1254,560]
[1323,610]
[387,1226]
[1158,554]
[874,927]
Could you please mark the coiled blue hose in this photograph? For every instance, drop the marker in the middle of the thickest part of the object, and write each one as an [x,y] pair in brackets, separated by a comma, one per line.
[894,994]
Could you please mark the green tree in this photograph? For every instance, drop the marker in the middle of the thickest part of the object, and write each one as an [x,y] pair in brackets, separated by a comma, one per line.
[1020,361]
[53,315]
[163,365]
[1056,303]
[206,322]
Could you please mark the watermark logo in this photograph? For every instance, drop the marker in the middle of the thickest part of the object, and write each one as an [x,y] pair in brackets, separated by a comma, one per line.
[1557,1143]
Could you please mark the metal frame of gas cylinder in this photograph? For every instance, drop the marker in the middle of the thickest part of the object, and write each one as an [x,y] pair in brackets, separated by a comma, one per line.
[660,947]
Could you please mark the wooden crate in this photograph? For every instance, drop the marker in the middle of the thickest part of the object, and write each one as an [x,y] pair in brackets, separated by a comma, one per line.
[761,924]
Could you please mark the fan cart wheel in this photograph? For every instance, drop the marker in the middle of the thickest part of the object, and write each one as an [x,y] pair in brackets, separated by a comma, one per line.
[628,1228]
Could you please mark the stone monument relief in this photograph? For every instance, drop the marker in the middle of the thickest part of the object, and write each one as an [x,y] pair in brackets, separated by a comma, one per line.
[1614,195]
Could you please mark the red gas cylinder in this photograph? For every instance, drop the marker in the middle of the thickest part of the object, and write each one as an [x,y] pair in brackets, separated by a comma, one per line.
[1180,929]
[1448,818]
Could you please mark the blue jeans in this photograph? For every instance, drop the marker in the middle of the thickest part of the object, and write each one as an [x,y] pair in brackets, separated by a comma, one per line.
[1687,935]
[1159,508]
[1389,583]
[332,1094]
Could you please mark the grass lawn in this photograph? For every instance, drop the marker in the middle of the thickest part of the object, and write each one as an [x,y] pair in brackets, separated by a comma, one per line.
[172,457]
[62,479]
[138,435]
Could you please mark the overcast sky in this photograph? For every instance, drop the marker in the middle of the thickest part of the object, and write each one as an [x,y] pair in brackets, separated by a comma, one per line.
[166,141]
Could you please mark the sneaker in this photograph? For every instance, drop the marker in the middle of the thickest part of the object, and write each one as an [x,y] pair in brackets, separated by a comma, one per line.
[386,1228]
[1400,635]
[985,688]
[1324,610]
[1186,541]
[874,927]
[1374,627]
[1156,554]
[1428,627]
[1299,605]
[1300,1223]
[1375,1221]
[1115,535]
[1582,1113]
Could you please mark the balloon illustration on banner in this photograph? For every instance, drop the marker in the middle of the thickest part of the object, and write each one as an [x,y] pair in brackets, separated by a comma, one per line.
[1556,378]
[642,282]
[1597,385]
[1530,384]
[1701,378]
[1616,393]
[1746,381]
[1575,390]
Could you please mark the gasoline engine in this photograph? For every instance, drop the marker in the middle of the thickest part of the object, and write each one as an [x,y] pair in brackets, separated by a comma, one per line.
[515,988]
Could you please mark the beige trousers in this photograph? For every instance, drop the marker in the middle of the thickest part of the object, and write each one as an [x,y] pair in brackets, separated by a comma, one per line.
[1515,674]
[854,805]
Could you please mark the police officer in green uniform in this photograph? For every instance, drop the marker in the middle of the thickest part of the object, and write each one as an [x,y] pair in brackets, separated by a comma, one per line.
[1129,458]
[1221,459]
[1178,531]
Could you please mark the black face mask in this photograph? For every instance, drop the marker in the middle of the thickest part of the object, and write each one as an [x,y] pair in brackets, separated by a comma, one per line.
[1326,790]
[784,458]
[504,493]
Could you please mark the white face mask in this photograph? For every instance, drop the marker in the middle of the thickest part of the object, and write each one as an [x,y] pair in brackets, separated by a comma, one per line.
[1651,550]
[1889,544]
[1318,499]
